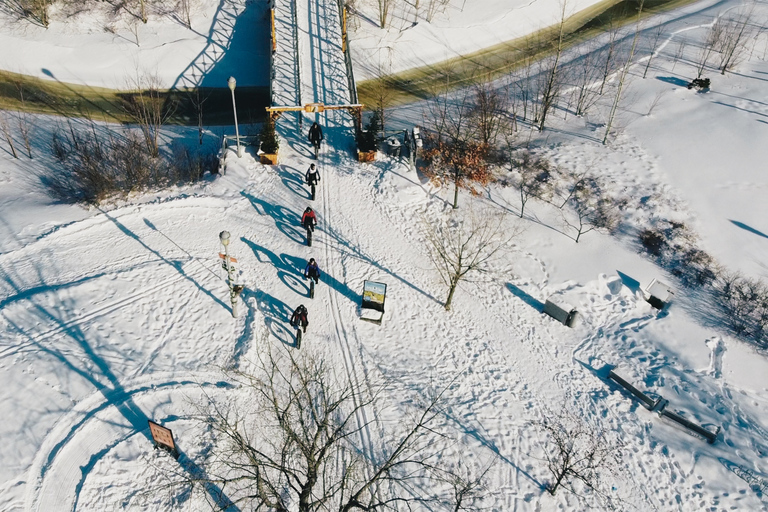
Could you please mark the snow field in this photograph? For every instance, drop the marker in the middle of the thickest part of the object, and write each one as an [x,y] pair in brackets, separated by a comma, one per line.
[111,317]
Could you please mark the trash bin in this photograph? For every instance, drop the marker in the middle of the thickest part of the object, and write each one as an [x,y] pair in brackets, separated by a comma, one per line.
[393,147]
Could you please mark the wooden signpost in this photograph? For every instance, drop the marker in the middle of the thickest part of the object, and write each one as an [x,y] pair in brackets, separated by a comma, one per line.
[163,438]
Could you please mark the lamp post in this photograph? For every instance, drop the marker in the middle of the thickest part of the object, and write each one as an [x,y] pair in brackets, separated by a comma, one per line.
[232,83]
[224,237]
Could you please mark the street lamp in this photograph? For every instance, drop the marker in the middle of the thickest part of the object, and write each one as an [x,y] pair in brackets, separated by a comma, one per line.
[224,237]
[232,83]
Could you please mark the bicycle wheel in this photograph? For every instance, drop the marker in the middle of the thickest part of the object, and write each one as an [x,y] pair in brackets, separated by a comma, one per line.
[309,237]
[298,337]
[313,191]
[311,288]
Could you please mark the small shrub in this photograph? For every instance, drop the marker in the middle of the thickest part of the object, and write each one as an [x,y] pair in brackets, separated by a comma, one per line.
[116,164]
[367,139]
[268,138]
[653,241]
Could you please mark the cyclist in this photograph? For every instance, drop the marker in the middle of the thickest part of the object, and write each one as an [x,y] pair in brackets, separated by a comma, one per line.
[308,220]
[312,177]
[312,271]
[300,317]
[315,136]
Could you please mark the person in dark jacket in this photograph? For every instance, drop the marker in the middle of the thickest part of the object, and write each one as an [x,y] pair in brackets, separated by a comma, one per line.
[312,271]
[315,136]
[308,220]
[300,317]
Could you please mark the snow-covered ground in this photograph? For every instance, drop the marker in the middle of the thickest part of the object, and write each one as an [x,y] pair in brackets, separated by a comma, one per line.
[112,316]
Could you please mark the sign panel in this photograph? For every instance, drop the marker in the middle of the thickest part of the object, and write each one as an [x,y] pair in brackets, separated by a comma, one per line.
[374,295]
[162,436]
[224,256]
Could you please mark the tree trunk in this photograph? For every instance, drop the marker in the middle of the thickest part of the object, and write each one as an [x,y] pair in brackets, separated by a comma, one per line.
[450,296]
[456,188]
[553,488]
[456,194]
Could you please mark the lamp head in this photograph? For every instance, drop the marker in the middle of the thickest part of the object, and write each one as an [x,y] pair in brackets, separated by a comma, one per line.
[224,237]
[231,83]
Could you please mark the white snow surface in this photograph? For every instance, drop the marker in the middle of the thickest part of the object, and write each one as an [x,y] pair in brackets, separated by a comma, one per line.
[111,316]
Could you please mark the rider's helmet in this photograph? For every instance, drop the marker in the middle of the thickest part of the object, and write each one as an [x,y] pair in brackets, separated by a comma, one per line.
[311,166]
[308,210]
[311,260]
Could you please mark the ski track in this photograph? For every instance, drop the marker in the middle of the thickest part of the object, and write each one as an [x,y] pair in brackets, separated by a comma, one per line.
[85,434]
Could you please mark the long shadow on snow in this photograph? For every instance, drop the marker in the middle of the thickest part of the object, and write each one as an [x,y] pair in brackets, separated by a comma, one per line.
[90,366]
[520,294]
[288,267]
[748,228]
[175,264]
[286,221]
[474,432]
[293,179]
[290,270]
[347,248]
[276,315]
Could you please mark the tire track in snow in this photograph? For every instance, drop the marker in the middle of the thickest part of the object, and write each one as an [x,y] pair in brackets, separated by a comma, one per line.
[84,435]
[332,262]
[63,326]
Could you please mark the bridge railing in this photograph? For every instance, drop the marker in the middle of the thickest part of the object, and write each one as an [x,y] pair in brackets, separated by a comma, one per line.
[347,56]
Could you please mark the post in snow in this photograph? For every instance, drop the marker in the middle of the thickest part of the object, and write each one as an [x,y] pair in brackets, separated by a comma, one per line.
[224,237]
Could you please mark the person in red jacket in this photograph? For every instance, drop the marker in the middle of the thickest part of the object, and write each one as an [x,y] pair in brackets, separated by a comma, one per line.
[308,220]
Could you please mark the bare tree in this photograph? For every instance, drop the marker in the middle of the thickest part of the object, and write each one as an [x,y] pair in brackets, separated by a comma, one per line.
[744,304]
[433,6]
[679,53]
[185,11]
[623,75]
[585,93]
[150,108]
[589,206]
[290,439]
[737,31]
[609,54]
[5,127]
[198,100]
[133,27]
[523,77]
[143,9]
[653,44]
[25,126]
[382,92]
[550,78]
[708,47]
[384,7]
[464,245]
[534,176]
[468,487]
[488,111]
[578,452]
[37,10]
[451,152]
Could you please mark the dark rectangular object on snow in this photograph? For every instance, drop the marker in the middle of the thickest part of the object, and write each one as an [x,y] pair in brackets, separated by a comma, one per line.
[709,436]
[645,399]
[560,311]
